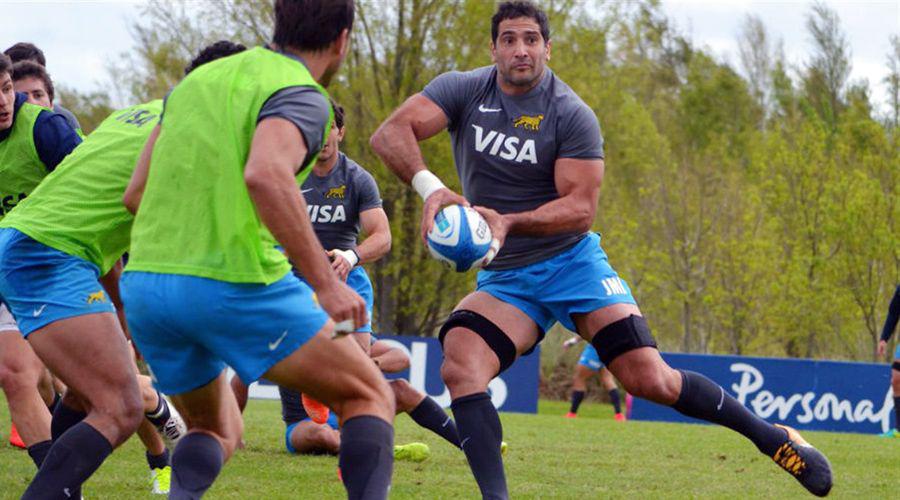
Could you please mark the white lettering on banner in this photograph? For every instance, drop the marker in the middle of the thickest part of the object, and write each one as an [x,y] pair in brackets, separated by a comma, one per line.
[827,407]
[418,360]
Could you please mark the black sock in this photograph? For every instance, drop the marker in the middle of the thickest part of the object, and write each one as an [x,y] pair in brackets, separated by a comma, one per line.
[897,411]
[38,452]
[704,399]
[196,462]
[56,399]
[614,399]
[70,462]
[431,416]
[480,435]
[160,461]
[63,419]
[577,397]
[160,415]
[366,458]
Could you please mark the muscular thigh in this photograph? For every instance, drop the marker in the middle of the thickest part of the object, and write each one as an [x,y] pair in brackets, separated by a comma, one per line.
[467,354]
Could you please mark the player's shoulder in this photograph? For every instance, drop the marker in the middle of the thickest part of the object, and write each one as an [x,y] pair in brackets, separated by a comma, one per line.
[355,171]
[463,83]
[564,97]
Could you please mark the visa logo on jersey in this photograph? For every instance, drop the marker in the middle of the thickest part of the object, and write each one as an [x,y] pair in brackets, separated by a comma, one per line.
[506,147]
[326,213]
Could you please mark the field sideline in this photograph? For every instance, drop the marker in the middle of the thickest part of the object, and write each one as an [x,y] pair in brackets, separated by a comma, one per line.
[549,457]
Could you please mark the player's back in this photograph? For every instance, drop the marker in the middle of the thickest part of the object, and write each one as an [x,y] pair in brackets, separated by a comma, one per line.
[196,216]
[78,207]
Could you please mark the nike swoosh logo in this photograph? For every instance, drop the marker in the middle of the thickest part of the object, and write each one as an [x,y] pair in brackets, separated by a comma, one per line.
[304,191]
[488,110]
[274,345]
[721,400]
[66,491]
[463,443]
[37,312]
[446,422]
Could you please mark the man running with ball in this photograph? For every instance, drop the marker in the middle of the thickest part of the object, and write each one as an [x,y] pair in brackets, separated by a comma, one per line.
[529,154]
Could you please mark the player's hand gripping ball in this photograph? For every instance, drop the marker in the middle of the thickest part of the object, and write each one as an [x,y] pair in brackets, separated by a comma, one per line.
[461,239]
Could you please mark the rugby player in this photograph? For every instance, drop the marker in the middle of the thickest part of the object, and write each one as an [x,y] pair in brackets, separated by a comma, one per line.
[890,324]
[75,226]
[33,141]
[589,364]
[214,191]
[24,51]
[342,198]
[304,436]
[529,153]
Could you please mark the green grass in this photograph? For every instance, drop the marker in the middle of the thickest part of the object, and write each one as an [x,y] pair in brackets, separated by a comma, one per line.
[549,457]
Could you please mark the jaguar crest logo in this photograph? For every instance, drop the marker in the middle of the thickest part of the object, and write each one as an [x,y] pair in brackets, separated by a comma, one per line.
[337,192]
[97,296]
[528,122]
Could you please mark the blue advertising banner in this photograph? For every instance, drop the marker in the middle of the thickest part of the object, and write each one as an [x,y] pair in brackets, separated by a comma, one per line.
[817,395]
[515,390]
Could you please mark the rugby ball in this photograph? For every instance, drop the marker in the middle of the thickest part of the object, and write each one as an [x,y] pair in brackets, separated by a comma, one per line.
[460,238]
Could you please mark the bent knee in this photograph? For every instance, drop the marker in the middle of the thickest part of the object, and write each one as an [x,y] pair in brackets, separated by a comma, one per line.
[18,374]
[463,376]
[661,385]
[373,393]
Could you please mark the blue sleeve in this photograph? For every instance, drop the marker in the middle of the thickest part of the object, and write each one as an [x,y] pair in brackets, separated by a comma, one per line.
[451,91]
[890,323]
[369,197]
[306,108]
[579,134]
[54,139]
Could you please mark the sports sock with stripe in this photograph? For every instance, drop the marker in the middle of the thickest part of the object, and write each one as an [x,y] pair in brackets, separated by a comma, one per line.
[161,414]
[69,463]
[480,435]
[704,399]
[366,458]
[577,397]
[431,416]
[615,400]
[196,463]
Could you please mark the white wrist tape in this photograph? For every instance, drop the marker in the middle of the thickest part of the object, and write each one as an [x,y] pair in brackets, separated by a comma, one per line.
[348,255]
[425,183]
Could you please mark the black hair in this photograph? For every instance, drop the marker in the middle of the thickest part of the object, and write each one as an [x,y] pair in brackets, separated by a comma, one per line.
[516,9]
[5,65]
[338,114]
[218,50]
[311,25]
[30,69]
[24,51]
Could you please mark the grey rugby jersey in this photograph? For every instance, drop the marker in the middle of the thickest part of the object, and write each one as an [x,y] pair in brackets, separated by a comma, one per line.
[505,148]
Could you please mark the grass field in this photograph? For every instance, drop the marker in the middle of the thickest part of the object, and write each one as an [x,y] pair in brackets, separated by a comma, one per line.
[549,457]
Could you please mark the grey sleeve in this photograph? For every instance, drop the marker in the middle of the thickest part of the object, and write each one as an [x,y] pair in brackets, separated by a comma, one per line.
[580,135]
[369,197]
[451,91]
[73,122]
[306,108]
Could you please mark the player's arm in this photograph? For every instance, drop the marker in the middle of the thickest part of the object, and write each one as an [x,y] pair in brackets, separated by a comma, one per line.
[396,142]
[110,282]
[578,184]
[374,223]
[388,359]
[135,190]
[277,150]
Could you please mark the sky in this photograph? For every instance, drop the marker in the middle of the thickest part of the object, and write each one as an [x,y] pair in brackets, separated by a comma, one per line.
[79,37]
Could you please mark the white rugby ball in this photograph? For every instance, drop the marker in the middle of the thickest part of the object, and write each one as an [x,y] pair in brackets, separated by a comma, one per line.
[460,238]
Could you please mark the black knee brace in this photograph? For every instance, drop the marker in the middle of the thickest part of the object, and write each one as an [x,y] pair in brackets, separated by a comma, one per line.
[621,336]
[896,365]
[496,340]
